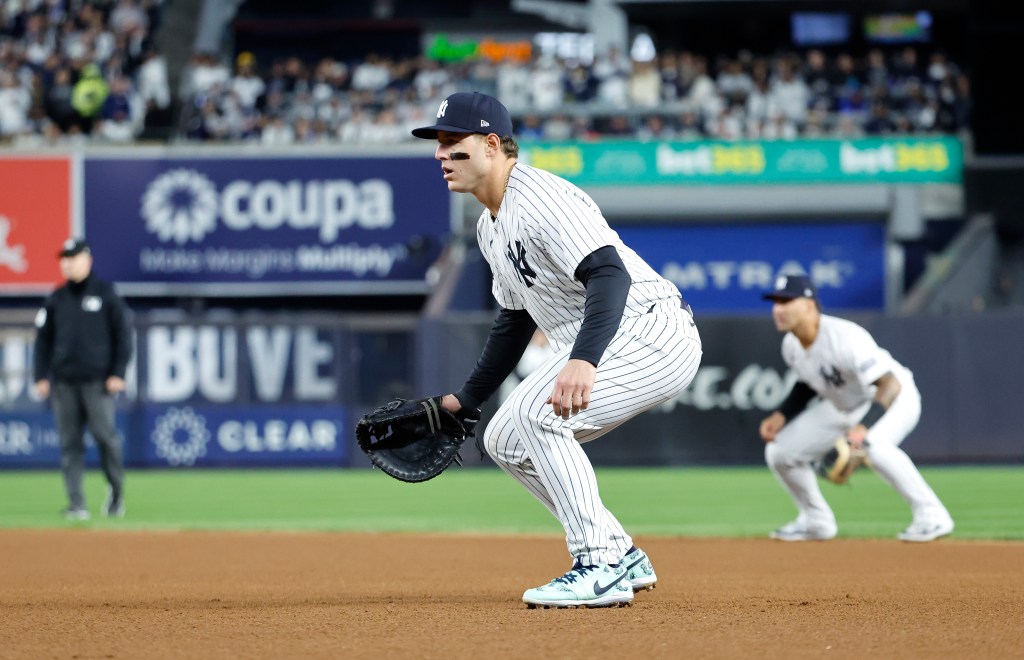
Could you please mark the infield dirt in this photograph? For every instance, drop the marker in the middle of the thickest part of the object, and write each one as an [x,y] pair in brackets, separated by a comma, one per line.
[99,594]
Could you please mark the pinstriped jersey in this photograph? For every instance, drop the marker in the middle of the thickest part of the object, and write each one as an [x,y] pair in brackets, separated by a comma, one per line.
[843,362]
[545,227]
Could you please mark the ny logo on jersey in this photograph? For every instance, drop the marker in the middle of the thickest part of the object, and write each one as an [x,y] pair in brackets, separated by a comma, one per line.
[519,261]
[833,377]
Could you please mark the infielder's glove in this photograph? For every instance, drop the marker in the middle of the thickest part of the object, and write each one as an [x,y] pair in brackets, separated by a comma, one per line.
[842,461]
[415,440]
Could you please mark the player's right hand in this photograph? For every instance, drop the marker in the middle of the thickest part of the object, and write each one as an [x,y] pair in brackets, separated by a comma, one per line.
[771,425]
[43,388]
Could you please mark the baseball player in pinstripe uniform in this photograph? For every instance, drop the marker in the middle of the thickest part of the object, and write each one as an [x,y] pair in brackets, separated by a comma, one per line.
[624,342]
[865,395]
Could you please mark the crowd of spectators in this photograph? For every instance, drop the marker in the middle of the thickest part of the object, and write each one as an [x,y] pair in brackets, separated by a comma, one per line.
[75,70]
[678,96]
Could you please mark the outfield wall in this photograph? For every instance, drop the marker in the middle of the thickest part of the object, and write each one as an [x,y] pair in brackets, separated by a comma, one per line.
[225,390]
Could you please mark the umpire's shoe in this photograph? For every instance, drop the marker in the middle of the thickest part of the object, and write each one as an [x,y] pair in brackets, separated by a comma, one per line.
[76,513]
[584,586]
[114,506]
[639,570]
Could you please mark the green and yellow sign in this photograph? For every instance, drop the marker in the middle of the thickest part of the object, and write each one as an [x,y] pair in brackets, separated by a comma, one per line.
[895,160]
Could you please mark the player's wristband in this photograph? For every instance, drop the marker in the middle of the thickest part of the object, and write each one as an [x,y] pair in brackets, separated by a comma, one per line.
[874,414]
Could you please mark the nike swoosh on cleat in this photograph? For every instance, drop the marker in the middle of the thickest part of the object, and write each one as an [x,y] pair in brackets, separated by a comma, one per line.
[600,591]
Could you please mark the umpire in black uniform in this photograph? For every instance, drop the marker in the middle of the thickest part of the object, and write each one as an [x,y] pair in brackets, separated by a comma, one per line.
[83,344]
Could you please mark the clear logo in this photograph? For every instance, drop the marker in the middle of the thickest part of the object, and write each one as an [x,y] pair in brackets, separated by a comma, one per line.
[180,436]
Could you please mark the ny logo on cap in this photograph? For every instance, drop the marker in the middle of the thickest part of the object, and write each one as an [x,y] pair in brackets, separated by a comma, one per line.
[444,106]
[781,282]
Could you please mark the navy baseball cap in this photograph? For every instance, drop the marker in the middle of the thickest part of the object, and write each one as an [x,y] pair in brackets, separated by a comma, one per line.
[465,112]
[73,246]
[788,287]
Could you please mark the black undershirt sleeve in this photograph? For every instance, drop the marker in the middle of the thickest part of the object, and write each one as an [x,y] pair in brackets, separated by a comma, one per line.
[607,281]
[798,398]
[509,337]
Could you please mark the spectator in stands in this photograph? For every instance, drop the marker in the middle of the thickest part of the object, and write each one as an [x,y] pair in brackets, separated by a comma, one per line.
[57,101]
[372,74]
[818,80]
[961,104]
[431,79]
[645,86]
[15,102]
[671,83]
[154,91]
[876,71]
[612,70]
[277,132]
[703,94]
[654,128]
[246,85]
[122,114]
[690,126]
[513,82]
[730,124]
[383,129]
[546,84]
[848,128]
[880,122]
[530,129]
[734,83]
[557,127]
[127,15]
[789,93]
[580,85]
[88,96]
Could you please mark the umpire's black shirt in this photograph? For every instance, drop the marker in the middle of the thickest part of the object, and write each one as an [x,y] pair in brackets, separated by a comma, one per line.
[82,333]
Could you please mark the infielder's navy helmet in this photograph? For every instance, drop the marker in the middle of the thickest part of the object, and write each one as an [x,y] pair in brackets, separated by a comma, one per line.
[465,112]
[788,287]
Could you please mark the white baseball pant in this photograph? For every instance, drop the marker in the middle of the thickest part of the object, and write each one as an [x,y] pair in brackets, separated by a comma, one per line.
[650,360]
[813,432]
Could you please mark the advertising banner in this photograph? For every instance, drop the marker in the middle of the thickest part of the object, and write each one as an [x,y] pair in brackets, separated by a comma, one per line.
[29,439]
[874,160]
[217,436]
[35,219]
[295,222]
[725,268]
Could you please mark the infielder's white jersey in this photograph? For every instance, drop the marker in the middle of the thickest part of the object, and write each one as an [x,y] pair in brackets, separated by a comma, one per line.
[841,366]
[545,227]
[842,363]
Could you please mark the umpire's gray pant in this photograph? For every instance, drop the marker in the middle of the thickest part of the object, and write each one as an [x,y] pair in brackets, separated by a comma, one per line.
[76,405]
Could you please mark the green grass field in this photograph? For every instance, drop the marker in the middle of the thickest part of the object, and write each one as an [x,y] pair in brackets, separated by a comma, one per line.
[987,502]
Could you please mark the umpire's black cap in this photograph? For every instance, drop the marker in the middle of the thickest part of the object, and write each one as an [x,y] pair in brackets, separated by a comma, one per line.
[74,246]
[788,287]
[465,112]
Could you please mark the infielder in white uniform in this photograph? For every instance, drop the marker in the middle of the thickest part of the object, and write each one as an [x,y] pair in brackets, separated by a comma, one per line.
[624,342]
[865,394]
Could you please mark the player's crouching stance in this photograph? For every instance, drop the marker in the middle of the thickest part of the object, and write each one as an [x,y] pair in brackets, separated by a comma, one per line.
[866,396]
[624,342]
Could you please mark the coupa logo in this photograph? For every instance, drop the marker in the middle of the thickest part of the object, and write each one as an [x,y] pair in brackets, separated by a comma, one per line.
[183,205]
[180,436]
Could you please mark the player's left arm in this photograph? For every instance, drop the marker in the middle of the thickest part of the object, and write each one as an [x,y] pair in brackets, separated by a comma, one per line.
[887,389]
[607,282]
